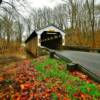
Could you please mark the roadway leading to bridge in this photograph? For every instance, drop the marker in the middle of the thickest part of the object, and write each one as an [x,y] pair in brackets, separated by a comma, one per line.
[90,61]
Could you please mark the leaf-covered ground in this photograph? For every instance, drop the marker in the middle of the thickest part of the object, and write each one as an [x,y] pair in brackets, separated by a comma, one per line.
[45,79]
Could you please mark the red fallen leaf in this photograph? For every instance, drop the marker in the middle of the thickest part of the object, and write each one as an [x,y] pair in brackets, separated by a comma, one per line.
[76,95]
[59,95]
[20,81]
[53,89]
[89,81]
[1,78]
[33,76]
[45,94]
[75,73]
[16,96]
[22,86]
[26,61]
[26,86]
[32,94]
[48,91]
[83,77]
[82,96]
[46,79]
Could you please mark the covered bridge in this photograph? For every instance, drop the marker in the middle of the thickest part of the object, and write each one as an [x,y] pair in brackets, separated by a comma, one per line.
[50,36]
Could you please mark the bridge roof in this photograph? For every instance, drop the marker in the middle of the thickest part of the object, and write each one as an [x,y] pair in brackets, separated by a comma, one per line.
[31,36]
[51,28]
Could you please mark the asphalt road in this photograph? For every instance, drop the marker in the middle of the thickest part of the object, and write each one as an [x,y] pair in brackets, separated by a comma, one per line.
[90,61]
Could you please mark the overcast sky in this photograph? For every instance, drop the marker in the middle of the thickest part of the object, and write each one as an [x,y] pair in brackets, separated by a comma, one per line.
[44,3]
[98,1]
[39,4]
[48,3]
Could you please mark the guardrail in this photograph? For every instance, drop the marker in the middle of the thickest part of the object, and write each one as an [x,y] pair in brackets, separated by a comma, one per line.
[71,65]
[81,48]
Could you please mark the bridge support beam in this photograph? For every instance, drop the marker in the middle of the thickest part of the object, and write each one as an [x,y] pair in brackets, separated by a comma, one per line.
[39,40]
[63,39]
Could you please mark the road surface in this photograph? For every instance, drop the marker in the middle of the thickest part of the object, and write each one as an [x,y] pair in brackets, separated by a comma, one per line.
[90,61]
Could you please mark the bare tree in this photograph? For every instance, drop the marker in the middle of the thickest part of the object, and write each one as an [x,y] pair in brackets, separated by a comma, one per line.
[10,15]
[0,1]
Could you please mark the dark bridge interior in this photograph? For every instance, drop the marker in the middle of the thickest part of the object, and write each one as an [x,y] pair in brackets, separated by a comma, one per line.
[52,40]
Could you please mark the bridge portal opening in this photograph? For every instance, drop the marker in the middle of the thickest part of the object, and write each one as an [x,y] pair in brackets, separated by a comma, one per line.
[52,40]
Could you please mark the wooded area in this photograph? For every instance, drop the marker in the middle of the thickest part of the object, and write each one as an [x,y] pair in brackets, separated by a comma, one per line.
[79,18]
[54,74]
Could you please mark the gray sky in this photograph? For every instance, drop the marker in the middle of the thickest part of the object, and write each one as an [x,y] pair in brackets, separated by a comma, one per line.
[48,3]
[44,3]
[39,4]
[36,4]
[98,1]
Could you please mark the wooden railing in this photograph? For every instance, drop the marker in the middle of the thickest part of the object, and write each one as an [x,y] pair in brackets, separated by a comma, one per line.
[81,48]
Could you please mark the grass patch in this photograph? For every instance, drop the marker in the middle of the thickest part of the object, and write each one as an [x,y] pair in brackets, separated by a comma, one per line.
[90,89]
[54,96]
[52,68]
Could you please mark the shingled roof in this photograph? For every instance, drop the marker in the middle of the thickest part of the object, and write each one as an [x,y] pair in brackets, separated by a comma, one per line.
[31,36]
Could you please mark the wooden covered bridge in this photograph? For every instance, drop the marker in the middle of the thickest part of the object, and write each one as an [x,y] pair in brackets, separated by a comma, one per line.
[50,36]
